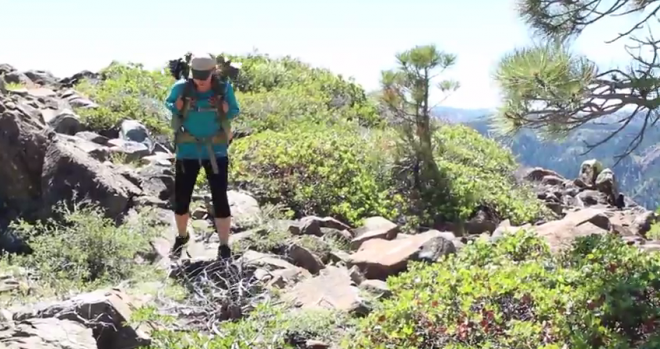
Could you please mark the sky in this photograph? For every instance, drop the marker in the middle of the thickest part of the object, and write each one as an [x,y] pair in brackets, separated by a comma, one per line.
[357,38]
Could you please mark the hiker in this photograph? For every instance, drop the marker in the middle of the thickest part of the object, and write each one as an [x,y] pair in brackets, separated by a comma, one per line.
[201,142]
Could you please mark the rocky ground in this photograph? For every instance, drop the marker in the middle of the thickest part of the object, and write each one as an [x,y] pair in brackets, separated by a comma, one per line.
[313,262]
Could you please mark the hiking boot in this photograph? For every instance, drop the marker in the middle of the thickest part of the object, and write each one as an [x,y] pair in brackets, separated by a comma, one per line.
[179,244]
[224,252]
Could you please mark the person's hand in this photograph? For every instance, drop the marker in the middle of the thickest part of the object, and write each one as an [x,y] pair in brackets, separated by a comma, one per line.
[179,103]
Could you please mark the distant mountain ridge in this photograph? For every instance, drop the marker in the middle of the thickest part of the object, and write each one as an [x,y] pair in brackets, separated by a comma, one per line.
[638,175]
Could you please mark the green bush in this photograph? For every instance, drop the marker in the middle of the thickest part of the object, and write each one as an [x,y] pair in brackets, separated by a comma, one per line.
[127,92]
[279,109]
[275,92]
[514,294]
[480,172]
[84,250]
[336,171]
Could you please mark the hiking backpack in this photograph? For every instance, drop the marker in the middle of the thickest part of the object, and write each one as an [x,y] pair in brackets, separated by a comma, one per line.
[219,84]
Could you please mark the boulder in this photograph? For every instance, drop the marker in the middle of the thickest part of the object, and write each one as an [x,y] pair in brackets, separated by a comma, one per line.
[561,233]
[70,174]
[48,333]
[332,289]
[105,312]
[589,171]
[606,184]
[374,228]
[62,121]
[380,258]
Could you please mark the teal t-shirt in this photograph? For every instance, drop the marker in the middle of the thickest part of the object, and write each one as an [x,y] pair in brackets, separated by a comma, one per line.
[201,123]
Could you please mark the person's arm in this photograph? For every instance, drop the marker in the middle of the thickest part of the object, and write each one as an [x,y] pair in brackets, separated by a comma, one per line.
[175,93]
[232,103]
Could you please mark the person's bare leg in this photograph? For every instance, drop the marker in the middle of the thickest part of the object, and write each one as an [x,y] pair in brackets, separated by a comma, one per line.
[223,227]
[182,224]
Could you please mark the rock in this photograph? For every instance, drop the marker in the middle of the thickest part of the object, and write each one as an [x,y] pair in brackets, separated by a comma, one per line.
[10,281]
[505,227]
[48,333]
[79,77]
[283,278]
[132,150]
[307,227]
[589,171]
[104,311]
[322,223]
[62,121]
[483,220]
[650,246]
[42,77]
[42,168]
[159,158]
[265,261]
[94,150]
[552,180]
[376,287]
[314,344]
[23,143]
[318,226]
[380,258]
[93,137]
[133,130]
[561,233]
[70,174]
[331,289]
[6,68]
[302,257]
[16,77]
[375,228]
[77,101]
[592,198]
[245,209]
[339,256]
[642,222]
[157,181]
[606,184]
[537,174]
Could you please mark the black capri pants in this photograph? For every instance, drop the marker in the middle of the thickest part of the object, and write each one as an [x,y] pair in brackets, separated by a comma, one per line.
[184,183]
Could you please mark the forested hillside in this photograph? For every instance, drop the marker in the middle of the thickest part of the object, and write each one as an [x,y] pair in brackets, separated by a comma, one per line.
[637,174]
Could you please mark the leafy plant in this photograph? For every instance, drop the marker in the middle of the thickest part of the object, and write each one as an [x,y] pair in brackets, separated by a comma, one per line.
[84,250]
[127,91]
[602,293]
[334,171]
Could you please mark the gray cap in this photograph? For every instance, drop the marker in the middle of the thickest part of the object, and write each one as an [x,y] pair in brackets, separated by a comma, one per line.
[202,62]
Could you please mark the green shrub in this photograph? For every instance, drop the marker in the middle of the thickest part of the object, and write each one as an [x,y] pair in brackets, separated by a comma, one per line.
[275,92]
[334,171]
[279,109]
[480,172]
[84,250]
[127,92]
[514,294]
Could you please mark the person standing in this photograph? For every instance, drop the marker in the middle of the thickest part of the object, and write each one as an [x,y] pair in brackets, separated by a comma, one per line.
[202,139]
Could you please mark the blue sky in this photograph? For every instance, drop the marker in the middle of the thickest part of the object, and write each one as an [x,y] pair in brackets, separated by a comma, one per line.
[355,38]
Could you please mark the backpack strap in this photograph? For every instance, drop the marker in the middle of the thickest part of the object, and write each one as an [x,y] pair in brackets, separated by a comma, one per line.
[219,88]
